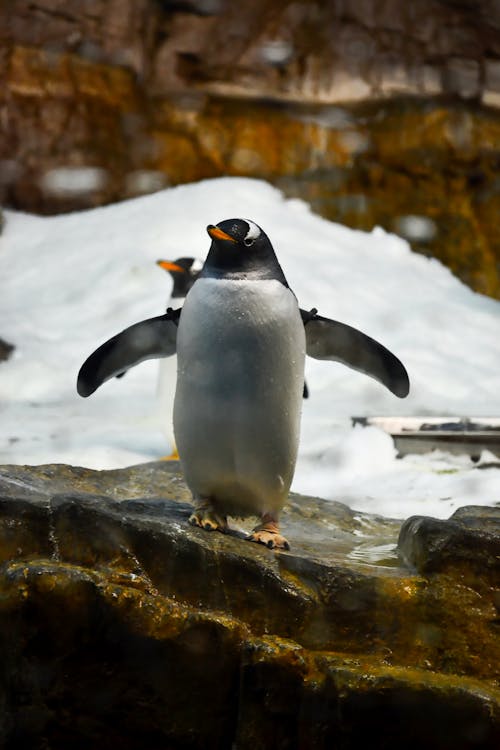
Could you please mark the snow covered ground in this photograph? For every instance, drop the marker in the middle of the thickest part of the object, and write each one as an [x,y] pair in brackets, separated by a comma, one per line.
[70,282]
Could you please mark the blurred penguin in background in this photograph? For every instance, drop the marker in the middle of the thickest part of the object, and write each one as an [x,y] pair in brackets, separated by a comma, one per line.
[184,272]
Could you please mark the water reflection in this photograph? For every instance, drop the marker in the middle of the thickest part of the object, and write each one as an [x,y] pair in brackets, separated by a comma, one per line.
[375,554]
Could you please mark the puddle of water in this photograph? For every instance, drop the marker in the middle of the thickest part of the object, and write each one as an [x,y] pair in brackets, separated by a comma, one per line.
[375,554]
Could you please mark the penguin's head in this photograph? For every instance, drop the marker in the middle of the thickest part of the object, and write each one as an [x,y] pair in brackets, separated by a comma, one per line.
[241,248]
[184,272]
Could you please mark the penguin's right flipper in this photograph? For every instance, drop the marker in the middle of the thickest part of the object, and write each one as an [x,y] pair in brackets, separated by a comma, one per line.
[338,342]
[152,338]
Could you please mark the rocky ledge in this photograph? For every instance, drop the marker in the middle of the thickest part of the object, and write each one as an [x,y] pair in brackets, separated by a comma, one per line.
[122,626]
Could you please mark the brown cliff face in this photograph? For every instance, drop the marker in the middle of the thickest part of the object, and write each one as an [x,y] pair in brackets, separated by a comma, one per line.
[375,111]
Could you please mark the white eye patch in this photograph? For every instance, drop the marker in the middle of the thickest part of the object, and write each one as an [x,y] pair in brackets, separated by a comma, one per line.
[196,266]
[253,231]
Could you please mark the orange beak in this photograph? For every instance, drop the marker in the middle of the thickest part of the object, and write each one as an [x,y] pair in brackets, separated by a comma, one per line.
[217,234]
[169,266]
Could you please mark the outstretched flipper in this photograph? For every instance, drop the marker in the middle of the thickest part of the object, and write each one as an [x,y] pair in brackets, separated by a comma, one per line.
[149,339]
[329,339]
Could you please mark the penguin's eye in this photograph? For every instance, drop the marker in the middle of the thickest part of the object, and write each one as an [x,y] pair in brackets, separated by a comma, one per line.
[253,233]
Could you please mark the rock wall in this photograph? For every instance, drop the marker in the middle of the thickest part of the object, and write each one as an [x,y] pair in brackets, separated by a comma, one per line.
[309,50]
[377,111]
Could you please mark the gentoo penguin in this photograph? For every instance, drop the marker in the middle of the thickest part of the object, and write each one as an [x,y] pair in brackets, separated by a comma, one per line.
[184,272]
[240,339]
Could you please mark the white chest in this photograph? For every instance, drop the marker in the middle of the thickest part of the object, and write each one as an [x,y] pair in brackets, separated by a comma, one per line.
[230,329]
[240,349]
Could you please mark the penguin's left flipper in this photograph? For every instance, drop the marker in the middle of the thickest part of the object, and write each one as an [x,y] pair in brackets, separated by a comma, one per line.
[149,339]
[329,339]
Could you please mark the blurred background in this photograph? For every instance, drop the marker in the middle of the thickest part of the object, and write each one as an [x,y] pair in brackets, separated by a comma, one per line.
[377,112]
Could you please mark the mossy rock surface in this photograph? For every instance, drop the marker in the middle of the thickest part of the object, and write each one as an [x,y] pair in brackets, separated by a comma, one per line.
[121,624]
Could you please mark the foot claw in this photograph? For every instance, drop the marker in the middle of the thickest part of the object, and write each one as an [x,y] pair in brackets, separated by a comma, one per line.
[205,517]
[268,533]
[270,539]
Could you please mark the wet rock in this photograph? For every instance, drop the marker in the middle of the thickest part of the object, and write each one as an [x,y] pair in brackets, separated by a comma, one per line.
[353,704]
[121,624]
[467,544]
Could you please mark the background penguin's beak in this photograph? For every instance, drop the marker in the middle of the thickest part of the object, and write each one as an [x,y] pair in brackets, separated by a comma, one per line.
[217,234]
[169,266]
